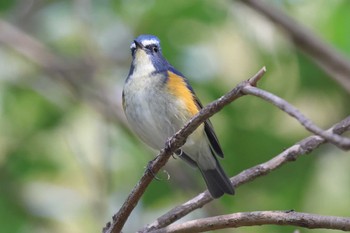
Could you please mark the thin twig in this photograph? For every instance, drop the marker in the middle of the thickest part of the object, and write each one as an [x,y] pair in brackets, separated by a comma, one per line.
[257,218]
[291,154]
[339,141]
[172,145]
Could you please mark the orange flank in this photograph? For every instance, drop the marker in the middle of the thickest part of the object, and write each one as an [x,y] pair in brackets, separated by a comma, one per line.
[177,86]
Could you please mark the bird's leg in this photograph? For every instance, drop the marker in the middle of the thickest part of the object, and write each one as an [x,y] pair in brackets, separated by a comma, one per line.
[149,168]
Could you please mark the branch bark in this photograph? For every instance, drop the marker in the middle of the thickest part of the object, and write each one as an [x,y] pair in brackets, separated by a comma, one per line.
[258,218]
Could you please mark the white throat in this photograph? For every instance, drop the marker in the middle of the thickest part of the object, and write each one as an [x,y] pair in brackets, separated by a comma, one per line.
[143,65]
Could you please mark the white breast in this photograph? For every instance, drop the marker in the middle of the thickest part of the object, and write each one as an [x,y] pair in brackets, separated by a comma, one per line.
[149,108]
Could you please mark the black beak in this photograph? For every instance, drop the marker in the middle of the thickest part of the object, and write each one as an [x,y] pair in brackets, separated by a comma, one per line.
[138,45]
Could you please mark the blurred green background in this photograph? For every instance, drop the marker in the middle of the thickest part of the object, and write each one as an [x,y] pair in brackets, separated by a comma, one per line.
[67,158]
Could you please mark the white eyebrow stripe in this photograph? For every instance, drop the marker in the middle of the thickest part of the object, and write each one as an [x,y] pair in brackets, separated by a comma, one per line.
[149,42]
[145,43]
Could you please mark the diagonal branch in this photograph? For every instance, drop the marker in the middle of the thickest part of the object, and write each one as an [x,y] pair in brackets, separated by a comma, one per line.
[291,154]
[172,145]
[257,218]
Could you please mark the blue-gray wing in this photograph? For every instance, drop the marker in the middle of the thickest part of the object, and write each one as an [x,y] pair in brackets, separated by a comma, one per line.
[209,130]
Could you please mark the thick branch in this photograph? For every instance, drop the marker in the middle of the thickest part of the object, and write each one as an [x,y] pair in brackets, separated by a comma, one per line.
[327,57]
[291,154]
[290,218]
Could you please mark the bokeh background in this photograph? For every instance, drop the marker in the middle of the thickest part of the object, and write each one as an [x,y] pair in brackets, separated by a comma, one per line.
[67,157]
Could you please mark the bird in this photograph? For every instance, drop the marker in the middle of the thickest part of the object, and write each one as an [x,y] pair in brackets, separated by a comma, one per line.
[158,101]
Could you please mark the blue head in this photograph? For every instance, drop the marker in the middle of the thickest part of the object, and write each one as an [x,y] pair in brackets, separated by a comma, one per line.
[147,55]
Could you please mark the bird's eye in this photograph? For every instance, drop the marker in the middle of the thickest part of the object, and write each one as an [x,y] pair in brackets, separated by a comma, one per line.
[155,49]
[152,48]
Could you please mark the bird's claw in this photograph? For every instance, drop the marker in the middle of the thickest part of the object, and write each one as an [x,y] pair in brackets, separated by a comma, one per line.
[149,168]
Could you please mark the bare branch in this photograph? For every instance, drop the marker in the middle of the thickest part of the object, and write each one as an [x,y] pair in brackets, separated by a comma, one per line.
[341,142]
[291,154]
[322,53]
[172,145]
[290,218]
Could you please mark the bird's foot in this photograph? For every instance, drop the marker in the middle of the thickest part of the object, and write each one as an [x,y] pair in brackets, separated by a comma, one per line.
[149,168]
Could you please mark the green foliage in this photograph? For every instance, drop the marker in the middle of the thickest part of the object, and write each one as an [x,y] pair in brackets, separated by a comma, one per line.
[29,112]
[6,5]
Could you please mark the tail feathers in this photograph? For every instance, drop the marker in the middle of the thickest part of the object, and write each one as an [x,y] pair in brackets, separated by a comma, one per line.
[217,182]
